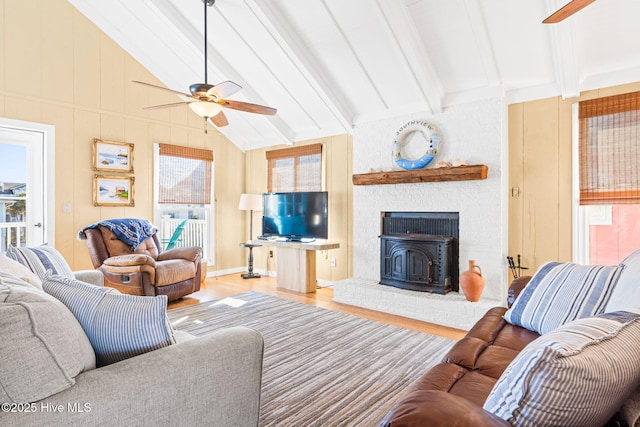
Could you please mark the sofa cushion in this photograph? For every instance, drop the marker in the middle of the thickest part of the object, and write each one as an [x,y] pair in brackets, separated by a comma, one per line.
[43,347]
[119,326]
[578,375]
[41,259]
[630,411]
[18,270]
[626,294]
[173,271]
[561,292]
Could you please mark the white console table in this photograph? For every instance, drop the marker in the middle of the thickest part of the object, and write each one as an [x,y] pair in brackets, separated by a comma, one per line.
[296,263]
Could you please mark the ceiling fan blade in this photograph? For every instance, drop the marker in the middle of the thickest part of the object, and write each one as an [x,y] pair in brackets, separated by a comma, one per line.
[219,120]
[173,104]
[567,10]
[224,90]
[162,88]
[250,108]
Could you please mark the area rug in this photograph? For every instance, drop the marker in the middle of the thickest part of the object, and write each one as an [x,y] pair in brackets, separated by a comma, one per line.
[321,368]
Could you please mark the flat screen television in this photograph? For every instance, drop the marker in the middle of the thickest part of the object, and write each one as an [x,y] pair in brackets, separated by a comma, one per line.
[295,215]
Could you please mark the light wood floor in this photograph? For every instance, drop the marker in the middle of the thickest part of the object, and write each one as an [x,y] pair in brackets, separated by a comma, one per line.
[233,284]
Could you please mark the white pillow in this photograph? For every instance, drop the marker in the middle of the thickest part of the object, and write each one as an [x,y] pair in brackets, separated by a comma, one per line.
[561,292]
[8,265]
[118,326]
[626,294]
[577,375]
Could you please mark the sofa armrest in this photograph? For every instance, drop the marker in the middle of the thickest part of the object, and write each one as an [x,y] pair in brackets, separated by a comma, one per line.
[93,277]
[515,288]
[190,253]
[129,260]
[439,409]
[212,380]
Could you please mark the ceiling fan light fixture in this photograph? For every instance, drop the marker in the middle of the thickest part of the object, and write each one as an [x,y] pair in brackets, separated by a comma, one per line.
[208,100]
[205,109]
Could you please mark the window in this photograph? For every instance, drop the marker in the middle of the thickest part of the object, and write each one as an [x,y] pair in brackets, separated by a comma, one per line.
[608,155]
[295,169]
[184,191]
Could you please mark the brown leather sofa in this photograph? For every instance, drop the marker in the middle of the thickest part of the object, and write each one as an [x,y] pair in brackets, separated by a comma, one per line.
[147,271]
[452,393]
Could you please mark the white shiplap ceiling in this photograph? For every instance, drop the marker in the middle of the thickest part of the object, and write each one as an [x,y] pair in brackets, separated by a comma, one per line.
[327,65]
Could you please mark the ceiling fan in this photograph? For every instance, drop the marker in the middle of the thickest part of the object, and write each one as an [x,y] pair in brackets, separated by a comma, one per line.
[208,100]
[567,10]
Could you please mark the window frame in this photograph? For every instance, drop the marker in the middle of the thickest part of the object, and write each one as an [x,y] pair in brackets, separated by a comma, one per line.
[295,153]
[209,241]
[583,211]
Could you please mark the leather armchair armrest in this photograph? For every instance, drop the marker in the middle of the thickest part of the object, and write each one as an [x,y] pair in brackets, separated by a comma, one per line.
[129,260]
[439,409]
[189,253]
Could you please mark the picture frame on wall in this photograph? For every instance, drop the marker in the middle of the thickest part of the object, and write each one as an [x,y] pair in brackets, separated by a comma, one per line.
[112,156]
[113,190]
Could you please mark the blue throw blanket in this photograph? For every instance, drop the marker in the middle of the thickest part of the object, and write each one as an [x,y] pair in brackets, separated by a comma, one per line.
[132,231]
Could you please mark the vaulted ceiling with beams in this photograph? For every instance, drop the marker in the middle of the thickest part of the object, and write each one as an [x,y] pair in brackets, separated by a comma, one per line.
[328,65]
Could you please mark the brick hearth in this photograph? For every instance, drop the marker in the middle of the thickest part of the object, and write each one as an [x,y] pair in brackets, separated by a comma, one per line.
[449,310]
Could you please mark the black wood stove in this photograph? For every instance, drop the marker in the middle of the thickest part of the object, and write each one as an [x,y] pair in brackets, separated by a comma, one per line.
[419,251]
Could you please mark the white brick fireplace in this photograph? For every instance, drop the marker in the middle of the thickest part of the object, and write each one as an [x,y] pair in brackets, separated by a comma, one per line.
[475,133]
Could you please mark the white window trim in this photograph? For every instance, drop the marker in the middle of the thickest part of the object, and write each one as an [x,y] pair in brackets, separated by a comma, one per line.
[580,215]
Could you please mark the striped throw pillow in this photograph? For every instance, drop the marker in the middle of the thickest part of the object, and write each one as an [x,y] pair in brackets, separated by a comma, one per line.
[561,292]
[41,259]
[119,326]
[578,375]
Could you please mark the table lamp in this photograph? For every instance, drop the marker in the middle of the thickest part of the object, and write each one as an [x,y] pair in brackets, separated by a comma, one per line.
[250,202]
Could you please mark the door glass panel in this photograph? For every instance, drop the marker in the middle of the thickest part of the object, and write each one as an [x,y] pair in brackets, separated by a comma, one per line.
[22,175]
[194,231]
[13,195]
[613,232]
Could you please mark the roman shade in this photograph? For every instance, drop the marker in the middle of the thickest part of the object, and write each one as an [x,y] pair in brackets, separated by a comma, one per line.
[609,151]
[295,169]
[184,175]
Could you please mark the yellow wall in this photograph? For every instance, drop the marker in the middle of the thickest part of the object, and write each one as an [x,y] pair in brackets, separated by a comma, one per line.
[58,68]
[540,166]
[337,151]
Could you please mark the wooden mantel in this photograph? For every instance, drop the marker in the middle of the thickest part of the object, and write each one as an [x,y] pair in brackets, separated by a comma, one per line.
[458,173]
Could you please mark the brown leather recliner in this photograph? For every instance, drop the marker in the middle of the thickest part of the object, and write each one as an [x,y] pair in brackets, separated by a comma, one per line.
[147,271]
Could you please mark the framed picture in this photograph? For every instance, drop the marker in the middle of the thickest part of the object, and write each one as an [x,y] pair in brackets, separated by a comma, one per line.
[112,156]
[113,190]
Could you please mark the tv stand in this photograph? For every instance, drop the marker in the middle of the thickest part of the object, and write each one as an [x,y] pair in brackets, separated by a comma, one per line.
[296,263]
[300,239]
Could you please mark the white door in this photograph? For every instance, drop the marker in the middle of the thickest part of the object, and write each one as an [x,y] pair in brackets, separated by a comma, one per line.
[22,187]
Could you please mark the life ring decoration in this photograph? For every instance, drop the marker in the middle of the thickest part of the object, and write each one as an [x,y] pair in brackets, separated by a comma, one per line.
[430,135]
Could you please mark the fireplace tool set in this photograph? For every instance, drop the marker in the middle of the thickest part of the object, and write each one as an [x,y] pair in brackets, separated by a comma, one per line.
[516,270]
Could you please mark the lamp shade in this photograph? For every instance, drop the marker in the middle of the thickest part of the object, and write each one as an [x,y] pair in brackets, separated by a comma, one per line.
[205,108]
[250,202]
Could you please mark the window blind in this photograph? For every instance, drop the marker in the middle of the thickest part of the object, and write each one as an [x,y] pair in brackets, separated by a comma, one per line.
[295,169]
[184,175]
[609,152]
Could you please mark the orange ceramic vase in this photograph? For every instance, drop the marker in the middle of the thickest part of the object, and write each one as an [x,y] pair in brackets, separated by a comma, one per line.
[472,282]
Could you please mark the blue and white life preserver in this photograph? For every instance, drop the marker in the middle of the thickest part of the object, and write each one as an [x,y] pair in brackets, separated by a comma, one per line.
[430,134]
